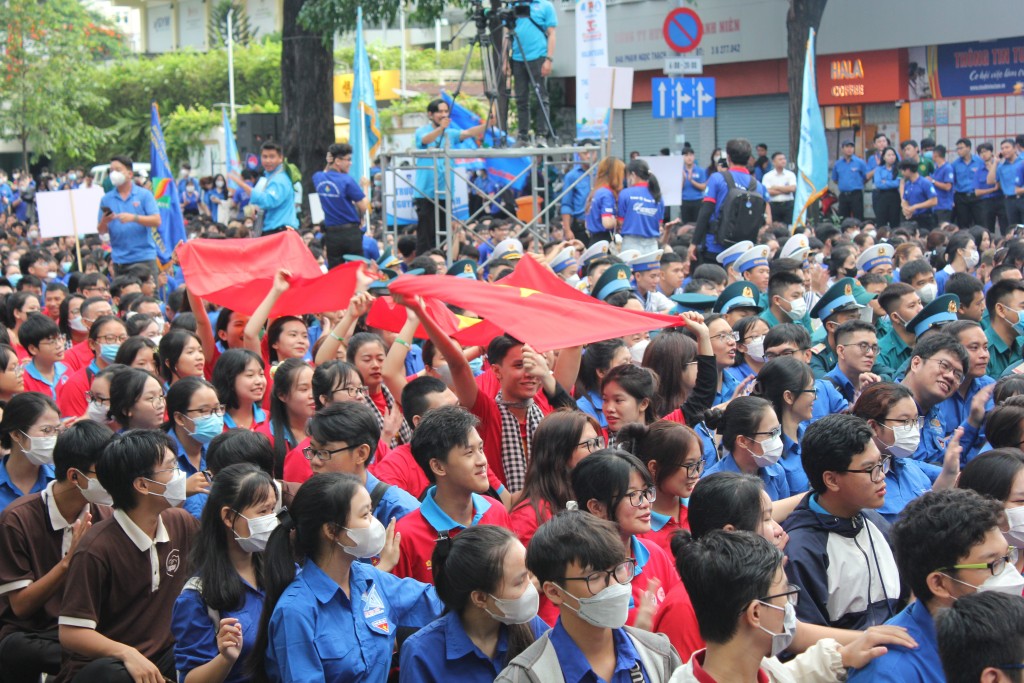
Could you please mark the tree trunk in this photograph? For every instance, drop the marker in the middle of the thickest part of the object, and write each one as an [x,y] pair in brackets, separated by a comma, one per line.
[307,96]
[803,15]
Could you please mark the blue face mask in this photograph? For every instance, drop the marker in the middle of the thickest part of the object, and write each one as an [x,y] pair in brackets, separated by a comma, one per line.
[206,428]
[477,365]
[108,352]
[66,267]
[14,279]
[1019,325]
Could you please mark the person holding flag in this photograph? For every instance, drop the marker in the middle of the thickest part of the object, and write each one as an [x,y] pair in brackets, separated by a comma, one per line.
[344,202]
[128,214]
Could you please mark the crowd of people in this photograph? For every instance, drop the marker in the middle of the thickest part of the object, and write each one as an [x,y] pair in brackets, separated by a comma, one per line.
[813,473]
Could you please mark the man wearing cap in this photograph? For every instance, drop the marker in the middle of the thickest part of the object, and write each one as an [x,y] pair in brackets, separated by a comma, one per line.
[919,197]
[781,185]
[738,301]
[934,316]
[574,201]
[833,309]
[695,181]
[876,259]
[464,268]
[509,249]
[705,245]
[850,173]
[595,269]
[752,266]
[564,265]
[796,247]
[615,278]
[936,370]
[647,275]
[727,259]
[1005,304]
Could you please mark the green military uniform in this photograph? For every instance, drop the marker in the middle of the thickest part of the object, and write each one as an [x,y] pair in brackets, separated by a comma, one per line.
[1001,355]
[893,352]
[823,359]
[772,321]
[838,299]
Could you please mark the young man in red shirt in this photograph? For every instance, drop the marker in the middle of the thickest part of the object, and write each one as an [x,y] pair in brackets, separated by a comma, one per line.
[42,339]
[449,450]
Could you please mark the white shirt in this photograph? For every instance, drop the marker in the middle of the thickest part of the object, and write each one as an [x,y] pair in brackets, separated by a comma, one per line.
[775,179]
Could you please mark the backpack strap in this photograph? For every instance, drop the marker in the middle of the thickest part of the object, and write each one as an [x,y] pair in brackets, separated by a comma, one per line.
[727,174]
[752,185]
[196,585]
[377,493]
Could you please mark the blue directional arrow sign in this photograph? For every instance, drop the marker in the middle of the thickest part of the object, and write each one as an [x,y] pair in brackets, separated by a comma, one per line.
[683,98]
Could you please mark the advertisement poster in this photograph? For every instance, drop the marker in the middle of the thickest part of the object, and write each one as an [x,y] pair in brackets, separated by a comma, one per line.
[966,69]
[591,52]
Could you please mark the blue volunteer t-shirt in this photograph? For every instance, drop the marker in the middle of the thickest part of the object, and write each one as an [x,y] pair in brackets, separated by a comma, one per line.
[641,214]
[715,193]
[338,192]
[850,175]
[130,242]
[981,183]
[1010,176]
[698,174]
[601,204]
[965,173]
[944,174]
[917,191]
[534,40]
[425,172]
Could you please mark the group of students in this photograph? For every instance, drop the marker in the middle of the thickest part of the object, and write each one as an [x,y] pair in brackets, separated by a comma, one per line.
[808,479]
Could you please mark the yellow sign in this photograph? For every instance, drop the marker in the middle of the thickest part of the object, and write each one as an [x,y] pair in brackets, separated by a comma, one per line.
[384,85]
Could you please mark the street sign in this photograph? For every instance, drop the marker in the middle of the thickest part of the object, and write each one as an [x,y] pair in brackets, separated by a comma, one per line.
[684,66]
[683,98]
[683,29]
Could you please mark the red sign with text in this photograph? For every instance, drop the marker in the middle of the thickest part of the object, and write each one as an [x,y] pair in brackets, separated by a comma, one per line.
[862,77]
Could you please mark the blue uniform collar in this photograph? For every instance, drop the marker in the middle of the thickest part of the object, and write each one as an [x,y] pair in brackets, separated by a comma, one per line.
[258,417]
[658,520]
[183,462]
[575,668]
[45,475]
[640,553]
[458,645]
[439,519]
[58,369]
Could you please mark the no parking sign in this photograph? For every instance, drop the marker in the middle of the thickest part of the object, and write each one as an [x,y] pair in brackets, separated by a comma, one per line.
[683,29]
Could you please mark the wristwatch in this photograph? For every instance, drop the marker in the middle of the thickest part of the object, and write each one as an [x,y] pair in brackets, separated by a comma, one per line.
[548,59]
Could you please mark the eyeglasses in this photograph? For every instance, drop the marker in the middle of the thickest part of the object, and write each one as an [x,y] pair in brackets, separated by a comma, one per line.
[813,391]
[57,341]
[595,444]
[865,347]
[93,397]
[597,581]
[694,469]
[877,472]
[353,391]
[638,497]
[112,339]
[948,369]
[754,339]
[772,355]
[995,566]
[169,469]
[98,288]
[773,434]
[207,412]
[323,455]
[156,401]
[47,430]
[792,595]
[908,423]
[726,337]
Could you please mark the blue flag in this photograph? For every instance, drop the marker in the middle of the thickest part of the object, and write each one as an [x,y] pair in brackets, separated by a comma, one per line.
[234,165]
[812,154]
[364,131]
[502,170]
[165,190]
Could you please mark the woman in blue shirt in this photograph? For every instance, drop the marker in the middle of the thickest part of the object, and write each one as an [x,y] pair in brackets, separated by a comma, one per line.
[752,438]
[217,615]
[216,200]
[641,209]
[750,333]
[886,199]
[28,430]
[491,602]
[603,199]
[336,619]
[789,384]
[598,359]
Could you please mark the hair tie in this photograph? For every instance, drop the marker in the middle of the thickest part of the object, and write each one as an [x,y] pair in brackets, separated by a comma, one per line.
[572,505]
[284,518]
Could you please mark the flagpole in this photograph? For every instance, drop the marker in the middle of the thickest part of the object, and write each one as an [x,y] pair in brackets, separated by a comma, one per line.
[365,152]
[231,61]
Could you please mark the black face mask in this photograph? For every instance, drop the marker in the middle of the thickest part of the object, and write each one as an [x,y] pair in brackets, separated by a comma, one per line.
[850,272]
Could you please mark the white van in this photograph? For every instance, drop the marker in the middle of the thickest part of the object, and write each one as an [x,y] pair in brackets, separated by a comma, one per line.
[99,173]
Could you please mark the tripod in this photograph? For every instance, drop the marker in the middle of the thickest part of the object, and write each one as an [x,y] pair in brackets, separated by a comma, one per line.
[482,39]
[534,84]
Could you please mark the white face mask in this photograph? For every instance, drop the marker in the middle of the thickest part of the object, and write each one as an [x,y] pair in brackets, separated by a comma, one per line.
[117,179]
[971,259]
[40,449]
[928,293]
[772,451]
[95,493]
[797,309]
[260,529]
[780,641]
[755,348]
[1015,520]
[1008,581]
[97,412]
[77,325]
[906,441]
[519,610]
[607,609]
[369,540]
[174,490]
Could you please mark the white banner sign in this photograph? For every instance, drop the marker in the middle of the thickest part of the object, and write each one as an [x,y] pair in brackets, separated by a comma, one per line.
[591,52]
[61,212]
[401,184]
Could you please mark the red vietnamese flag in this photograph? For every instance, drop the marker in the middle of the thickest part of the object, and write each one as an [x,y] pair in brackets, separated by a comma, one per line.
[385,314]
[543,320]
[238,273]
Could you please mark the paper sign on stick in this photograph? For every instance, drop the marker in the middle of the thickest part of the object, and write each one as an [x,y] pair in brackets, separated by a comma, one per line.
[601,87]
[669,171]
[55,211]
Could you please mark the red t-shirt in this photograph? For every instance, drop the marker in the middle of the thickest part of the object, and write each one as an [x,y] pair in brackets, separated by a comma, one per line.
[662,537]
[524,519]
[677,620]
[41,387]
[71,395]
[419,535]
[652,563]
[297,468]
[78,356]
[676,416]
[398,468]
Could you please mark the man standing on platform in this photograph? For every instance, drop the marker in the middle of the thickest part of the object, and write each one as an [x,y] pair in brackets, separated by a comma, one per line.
[128,213]
[344,203]
[273,193]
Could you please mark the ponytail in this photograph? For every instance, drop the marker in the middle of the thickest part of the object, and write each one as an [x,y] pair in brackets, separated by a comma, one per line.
[641,170]
[278,573]
[654,187]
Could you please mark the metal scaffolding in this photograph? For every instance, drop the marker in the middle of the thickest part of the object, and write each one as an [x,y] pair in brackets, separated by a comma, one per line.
[545,205]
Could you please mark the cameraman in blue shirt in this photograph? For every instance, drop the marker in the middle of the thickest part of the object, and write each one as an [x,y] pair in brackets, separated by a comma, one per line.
[532,54]
[344,202]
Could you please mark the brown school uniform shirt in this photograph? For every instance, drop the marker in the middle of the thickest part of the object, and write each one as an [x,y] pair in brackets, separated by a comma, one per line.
[33,539]
[120,587]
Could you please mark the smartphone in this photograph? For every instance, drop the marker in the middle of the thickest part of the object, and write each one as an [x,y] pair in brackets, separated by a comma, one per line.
[107,211]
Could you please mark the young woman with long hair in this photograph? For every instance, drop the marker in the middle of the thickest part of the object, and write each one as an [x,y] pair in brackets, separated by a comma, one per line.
[291,406]
[602,204]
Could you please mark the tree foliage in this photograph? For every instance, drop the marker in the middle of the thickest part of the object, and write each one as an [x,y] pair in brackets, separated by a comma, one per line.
[242,32]
[49,49]
[330,17]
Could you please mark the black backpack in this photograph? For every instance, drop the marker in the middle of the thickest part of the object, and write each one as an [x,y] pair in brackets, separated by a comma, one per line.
[742,214]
